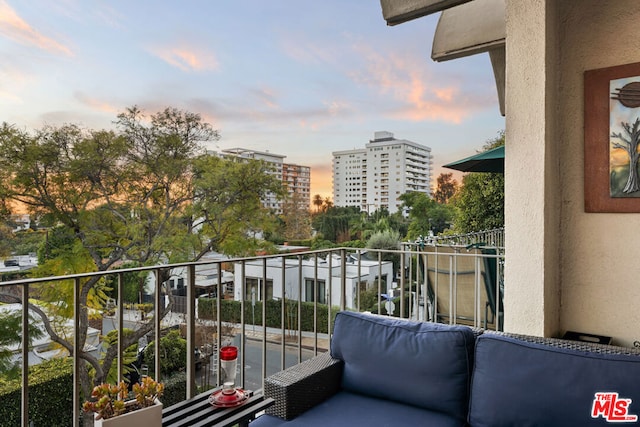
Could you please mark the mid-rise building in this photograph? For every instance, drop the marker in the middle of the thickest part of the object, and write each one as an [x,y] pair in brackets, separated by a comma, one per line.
[296,179]
[374,177]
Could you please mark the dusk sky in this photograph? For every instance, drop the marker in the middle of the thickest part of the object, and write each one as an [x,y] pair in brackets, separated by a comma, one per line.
[299,78]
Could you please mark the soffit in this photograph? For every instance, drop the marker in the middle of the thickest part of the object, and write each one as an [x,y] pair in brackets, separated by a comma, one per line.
[399,11]
[468,29]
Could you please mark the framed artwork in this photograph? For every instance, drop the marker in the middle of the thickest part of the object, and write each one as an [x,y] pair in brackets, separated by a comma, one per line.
[612,139]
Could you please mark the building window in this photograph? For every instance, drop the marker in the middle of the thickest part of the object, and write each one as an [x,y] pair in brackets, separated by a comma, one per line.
[320,291]
[255,284]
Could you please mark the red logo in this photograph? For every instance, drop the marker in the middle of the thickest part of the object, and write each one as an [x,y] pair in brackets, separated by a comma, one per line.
[612,408]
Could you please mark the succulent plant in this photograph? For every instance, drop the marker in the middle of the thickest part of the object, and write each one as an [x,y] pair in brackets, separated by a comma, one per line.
[111,400]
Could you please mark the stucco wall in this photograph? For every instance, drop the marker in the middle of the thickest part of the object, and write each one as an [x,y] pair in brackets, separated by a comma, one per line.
[566,269]
[532,287]
[600,252]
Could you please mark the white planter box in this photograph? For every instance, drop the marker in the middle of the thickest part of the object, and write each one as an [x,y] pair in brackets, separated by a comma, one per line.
[146,417]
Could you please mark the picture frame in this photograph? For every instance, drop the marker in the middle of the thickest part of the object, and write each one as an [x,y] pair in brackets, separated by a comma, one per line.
[609,178]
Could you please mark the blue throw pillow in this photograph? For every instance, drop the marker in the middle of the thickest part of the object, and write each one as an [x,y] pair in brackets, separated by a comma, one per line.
[422,364]
[517,383]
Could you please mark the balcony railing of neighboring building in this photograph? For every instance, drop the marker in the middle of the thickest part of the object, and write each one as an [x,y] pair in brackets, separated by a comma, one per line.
[303,290]
[493,237]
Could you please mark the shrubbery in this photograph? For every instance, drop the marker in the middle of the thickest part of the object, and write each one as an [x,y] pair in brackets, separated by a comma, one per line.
[50,395]
[230,312]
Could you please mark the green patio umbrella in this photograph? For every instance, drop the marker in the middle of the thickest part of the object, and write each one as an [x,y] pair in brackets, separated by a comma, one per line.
[487,161]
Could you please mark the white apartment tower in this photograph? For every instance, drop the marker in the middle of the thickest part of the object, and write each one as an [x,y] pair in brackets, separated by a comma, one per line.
[375,177]
[295,178]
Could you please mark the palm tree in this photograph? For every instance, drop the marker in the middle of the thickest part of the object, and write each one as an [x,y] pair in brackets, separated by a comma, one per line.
[317,202]
[328,204]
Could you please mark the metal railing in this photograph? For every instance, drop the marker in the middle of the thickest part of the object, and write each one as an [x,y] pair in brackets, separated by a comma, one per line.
[449,284]
[493,238]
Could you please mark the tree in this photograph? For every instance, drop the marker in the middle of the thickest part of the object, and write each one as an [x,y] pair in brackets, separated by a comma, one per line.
[336,223]
[386,240]
[145,192]
[296,217]
[10,336]
[227,212]
[446,188]
[317,202]
[480,201]
[425,214]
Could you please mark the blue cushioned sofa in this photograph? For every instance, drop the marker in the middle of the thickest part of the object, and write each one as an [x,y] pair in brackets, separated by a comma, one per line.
[383,371]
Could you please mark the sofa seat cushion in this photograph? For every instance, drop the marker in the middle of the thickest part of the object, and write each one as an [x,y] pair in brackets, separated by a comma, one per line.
[521,383]
[351,409]
[422,364]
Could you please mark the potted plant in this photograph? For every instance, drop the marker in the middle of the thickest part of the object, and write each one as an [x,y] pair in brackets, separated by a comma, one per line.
[113,408]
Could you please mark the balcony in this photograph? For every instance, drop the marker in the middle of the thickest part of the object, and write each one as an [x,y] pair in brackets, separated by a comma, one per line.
[277,310]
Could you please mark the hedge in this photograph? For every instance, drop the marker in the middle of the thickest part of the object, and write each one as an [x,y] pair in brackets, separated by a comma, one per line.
[175,389]
[50,395]
[230,312]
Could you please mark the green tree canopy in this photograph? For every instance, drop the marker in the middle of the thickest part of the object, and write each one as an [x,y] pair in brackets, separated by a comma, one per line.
[446,188]
[425,214]
[144,192]
[480,201]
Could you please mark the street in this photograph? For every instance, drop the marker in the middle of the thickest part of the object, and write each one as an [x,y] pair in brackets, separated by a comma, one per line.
[253,362]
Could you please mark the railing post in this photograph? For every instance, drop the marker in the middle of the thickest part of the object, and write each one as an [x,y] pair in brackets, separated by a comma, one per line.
[402,267]
[191,330]
[343,279]
[315,304]
[263,297]
[299,308]
[120,325]
[330,293]
[25,356]
[76,351]
[156,320]
[243,324]
[283,308]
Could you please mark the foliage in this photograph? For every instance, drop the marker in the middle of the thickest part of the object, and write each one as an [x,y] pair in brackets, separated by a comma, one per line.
[336,223]
[230,312]
[6,236]
[128,357]
[446,188]
[111,400]
[146,192]
[50,395]
[147,391]
[173,353]
[133,283]
[108,400]
[296,217]
[425,215]
[175,389]
[389,240]
[480,202]
[228,207]
[26,242]
[10,335]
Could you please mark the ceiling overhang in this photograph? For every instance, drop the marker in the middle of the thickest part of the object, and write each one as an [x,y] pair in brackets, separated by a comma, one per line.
[472,28]
[398,11]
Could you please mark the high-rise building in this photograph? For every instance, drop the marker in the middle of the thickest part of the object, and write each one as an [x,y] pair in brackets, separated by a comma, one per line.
[296,179]
[374,177]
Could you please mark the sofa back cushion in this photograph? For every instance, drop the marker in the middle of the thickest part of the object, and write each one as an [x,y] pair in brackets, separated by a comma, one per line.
[422,364]
[544,382]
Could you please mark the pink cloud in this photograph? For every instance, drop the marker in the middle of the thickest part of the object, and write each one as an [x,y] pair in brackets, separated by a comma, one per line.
[17,29]
[96,104]
[187,58]
[418,95]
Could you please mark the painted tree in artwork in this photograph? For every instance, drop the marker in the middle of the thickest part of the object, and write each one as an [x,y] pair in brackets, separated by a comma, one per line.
[630,142]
